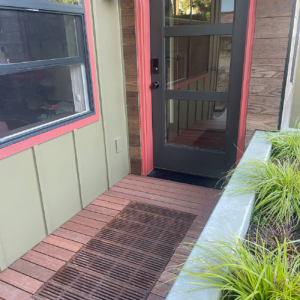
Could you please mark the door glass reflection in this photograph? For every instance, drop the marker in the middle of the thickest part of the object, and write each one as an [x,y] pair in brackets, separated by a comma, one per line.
[198,124]
[198,63]
[197,12]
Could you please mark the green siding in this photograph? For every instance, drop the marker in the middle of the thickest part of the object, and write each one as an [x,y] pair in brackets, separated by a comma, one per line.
[92,162]
[43,187]
[22,223]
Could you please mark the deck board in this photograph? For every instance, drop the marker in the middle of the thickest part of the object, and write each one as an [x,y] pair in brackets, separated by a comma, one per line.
[27,274]
[32,270]
[72,235]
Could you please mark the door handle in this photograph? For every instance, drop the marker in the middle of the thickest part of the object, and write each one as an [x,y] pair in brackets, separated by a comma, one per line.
[155,85]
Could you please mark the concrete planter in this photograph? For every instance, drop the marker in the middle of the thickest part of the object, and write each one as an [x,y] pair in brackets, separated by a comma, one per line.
[231,216]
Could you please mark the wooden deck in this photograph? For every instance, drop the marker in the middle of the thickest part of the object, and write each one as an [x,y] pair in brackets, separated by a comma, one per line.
[28,274]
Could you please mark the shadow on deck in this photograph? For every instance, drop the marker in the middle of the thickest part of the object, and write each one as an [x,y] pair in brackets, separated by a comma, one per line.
[27,275]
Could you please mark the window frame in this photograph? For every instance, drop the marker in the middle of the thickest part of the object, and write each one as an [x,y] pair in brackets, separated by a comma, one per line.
[28,138]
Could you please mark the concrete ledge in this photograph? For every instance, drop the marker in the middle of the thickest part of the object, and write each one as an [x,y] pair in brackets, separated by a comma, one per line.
[231,216]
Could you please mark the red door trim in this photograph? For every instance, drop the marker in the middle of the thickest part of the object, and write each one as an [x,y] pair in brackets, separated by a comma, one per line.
[144,75]
[246,79]
[142,13]
[43,137]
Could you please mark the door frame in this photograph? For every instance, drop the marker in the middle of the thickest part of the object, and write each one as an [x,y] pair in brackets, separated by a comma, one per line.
[142,15]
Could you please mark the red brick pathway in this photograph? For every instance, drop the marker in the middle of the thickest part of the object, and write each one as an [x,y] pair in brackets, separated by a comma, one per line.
[24,277]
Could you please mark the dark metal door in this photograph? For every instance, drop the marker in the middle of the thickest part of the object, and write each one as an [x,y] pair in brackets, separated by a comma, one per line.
[197,50]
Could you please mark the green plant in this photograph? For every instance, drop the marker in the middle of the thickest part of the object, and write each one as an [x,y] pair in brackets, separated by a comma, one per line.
[245,271]
[276,183]
[285,144]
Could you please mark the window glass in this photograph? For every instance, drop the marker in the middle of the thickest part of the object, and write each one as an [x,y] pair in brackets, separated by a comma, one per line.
[32,36]
[197,124]
[77,2]
[197,12]
[198,63]
[38,97]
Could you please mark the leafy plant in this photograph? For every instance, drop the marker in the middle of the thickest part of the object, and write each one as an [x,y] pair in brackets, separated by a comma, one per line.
[51,111]
[245,271]
[285,144]
[277,185]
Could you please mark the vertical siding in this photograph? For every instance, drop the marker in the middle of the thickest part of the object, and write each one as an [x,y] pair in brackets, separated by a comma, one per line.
[91,162]
[131,74]
[22,222]
[43,187]
[57,165]
[107,32]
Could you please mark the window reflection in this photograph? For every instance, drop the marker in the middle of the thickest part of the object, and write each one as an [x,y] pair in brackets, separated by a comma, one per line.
[77,2]
[200,63]
[196,12]
[197,124]
[34,98]
[30,36]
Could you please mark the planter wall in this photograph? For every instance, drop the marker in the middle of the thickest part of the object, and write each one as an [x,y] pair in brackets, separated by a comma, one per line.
[230,217]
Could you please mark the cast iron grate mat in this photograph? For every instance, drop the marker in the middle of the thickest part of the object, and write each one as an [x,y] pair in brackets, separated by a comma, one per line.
[124,260]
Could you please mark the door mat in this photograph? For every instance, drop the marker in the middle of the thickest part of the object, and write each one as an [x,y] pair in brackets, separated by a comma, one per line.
[213,183]
[124,260]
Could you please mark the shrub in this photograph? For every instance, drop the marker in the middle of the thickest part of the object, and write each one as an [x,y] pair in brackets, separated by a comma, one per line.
[244,271]
[285,144]
[277,185]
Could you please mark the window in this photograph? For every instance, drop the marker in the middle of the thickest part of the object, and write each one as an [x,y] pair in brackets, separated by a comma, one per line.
[190,59]
[44,70]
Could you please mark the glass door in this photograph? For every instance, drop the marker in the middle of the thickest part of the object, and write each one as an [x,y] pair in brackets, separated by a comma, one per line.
[197,49]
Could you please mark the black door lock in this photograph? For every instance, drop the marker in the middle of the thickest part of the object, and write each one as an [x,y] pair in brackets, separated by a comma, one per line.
[155,85]
[155,66]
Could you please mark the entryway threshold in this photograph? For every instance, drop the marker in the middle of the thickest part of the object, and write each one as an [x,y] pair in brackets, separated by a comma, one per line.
[208,182]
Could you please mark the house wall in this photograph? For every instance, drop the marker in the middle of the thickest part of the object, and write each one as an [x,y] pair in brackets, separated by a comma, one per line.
[44,186]
[273,19]
[132,92]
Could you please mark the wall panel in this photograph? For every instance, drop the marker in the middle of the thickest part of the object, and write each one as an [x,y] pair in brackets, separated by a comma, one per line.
[22,223]
[90,151]
[58,166]
[108,45]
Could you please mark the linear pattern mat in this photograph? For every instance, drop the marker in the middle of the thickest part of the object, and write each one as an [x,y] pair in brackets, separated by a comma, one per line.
[124,260]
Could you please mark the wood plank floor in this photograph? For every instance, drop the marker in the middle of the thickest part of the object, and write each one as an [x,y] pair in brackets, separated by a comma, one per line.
[24,277]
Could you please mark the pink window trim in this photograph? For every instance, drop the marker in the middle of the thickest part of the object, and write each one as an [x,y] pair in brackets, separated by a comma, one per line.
[246,79]
[44,137]
[144,76]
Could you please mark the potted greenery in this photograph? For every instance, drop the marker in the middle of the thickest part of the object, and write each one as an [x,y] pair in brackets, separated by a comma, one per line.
[264,264]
